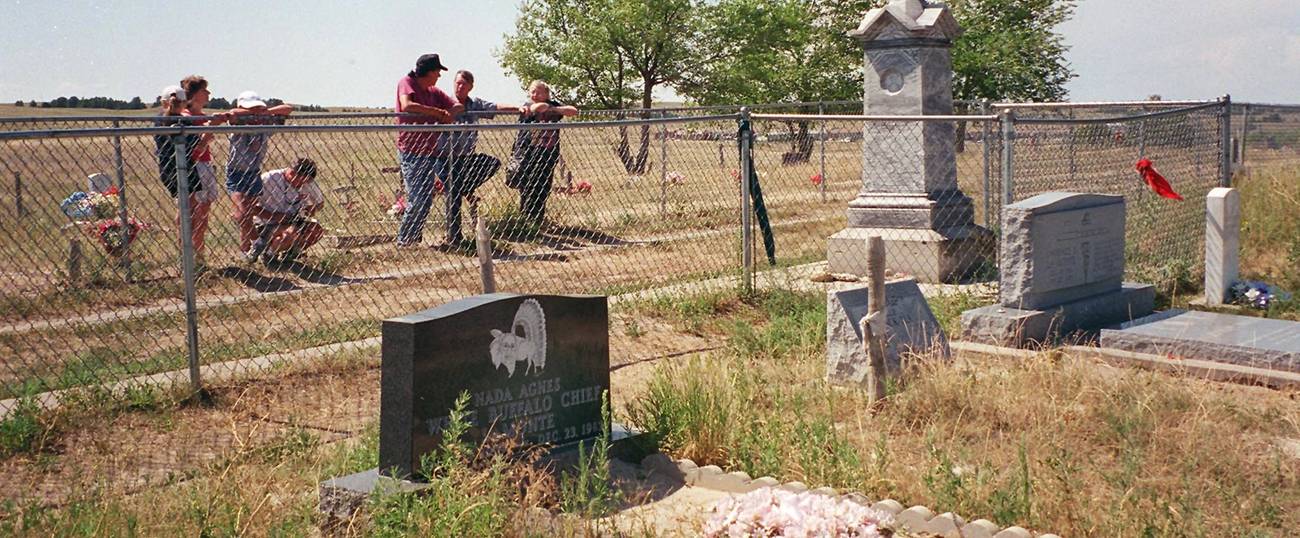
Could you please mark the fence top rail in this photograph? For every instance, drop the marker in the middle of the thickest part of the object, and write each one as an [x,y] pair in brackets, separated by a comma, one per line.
[1101,104]
[1236,104]
[452,127]
[835,117]
[151,116]
[1120,119]
[145,118]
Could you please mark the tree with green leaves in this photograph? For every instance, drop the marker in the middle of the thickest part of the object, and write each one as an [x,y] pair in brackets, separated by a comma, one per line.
[608,53]
[797,50]
[1010,50]
[773,51]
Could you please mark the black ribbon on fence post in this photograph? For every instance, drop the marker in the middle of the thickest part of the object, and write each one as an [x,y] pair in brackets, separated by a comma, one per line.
[756,194]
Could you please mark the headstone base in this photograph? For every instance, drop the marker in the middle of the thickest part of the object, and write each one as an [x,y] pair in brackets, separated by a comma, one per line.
[1247,341]
[922,211]
[944,255]
[342,497]
[1006,326]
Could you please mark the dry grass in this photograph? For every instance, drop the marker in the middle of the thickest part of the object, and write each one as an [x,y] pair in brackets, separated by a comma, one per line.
[1057,443]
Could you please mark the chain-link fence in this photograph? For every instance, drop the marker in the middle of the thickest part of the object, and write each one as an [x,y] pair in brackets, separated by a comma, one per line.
[107,287]
[1265,133]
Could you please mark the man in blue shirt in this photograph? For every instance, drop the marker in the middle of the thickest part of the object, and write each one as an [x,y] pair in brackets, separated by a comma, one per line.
[468,170]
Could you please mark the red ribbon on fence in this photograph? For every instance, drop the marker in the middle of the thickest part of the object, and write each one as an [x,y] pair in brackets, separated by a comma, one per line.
[1157,182]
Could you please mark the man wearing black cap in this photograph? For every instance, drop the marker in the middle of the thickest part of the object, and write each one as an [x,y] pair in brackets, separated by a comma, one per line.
[419,101]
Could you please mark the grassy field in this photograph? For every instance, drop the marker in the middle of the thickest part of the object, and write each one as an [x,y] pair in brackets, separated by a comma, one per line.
[1089,451]
[631,232]
[1056,443]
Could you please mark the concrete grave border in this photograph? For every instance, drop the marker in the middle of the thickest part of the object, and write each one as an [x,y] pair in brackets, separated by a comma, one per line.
[915,518]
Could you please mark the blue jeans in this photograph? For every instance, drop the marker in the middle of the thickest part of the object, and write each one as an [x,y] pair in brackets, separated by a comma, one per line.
[246,182]
[417,177]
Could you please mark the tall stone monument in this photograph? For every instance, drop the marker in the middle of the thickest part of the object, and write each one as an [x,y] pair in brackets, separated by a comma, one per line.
[909,195]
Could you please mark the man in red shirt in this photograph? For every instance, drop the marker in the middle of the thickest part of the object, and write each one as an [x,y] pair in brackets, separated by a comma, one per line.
[419,101]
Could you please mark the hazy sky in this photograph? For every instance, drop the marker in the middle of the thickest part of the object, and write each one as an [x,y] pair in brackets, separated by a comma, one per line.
[352,53]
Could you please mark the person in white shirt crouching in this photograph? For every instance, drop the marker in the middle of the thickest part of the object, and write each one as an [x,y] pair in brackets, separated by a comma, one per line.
[283,214]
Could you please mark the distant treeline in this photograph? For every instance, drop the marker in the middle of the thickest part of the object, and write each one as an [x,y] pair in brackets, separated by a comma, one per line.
[136,103]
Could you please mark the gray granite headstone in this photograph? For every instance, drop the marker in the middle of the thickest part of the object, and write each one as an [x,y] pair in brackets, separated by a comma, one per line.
[98,182]
[1059,247]
[912,328]
[1062,270]
[1256,342]
[536,364]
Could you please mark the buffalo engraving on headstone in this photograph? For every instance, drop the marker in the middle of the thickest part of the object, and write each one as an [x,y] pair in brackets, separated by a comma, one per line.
[536,366]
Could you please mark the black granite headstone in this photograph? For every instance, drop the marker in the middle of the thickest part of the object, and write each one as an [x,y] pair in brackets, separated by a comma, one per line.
[536,364]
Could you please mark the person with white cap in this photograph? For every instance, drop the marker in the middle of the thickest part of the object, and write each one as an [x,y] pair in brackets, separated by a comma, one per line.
[247,151]
[174,99]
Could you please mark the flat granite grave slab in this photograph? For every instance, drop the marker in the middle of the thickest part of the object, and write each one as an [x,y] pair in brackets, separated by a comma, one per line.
[1256,342]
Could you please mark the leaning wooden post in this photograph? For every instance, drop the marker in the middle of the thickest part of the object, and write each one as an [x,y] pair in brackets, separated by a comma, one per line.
[74,261]
[875,336]
[483,239]
[18,195]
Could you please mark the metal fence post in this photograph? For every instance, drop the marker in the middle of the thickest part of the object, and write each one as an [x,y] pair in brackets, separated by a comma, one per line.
[985,107]
[663,168]
[821,186]
[1008,138]
[120,170]
[1245,134]
[1142,135]
[1074,165]
[187,258]
[1225,142]
[746,221]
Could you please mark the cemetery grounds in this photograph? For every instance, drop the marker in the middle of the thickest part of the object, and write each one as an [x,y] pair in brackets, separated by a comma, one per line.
[1050,441]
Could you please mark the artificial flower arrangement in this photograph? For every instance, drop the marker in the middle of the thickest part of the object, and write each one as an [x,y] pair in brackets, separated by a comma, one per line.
[778,513]
[1256,294]
[82,205]
[108,228]
[398,208]
[114,236]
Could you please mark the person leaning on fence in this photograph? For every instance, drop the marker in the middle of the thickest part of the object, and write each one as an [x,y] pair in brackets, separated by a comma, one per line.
[201,192]
[247,151]
[533,158]
[282,213]
[196,88]
[419,101]
[467,170]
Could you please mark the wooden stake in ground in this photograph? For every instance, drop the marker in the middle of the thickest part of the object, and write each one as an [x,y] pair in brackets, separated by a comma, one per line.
[74,261]
[18,195]
[874,333]
[483,238]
